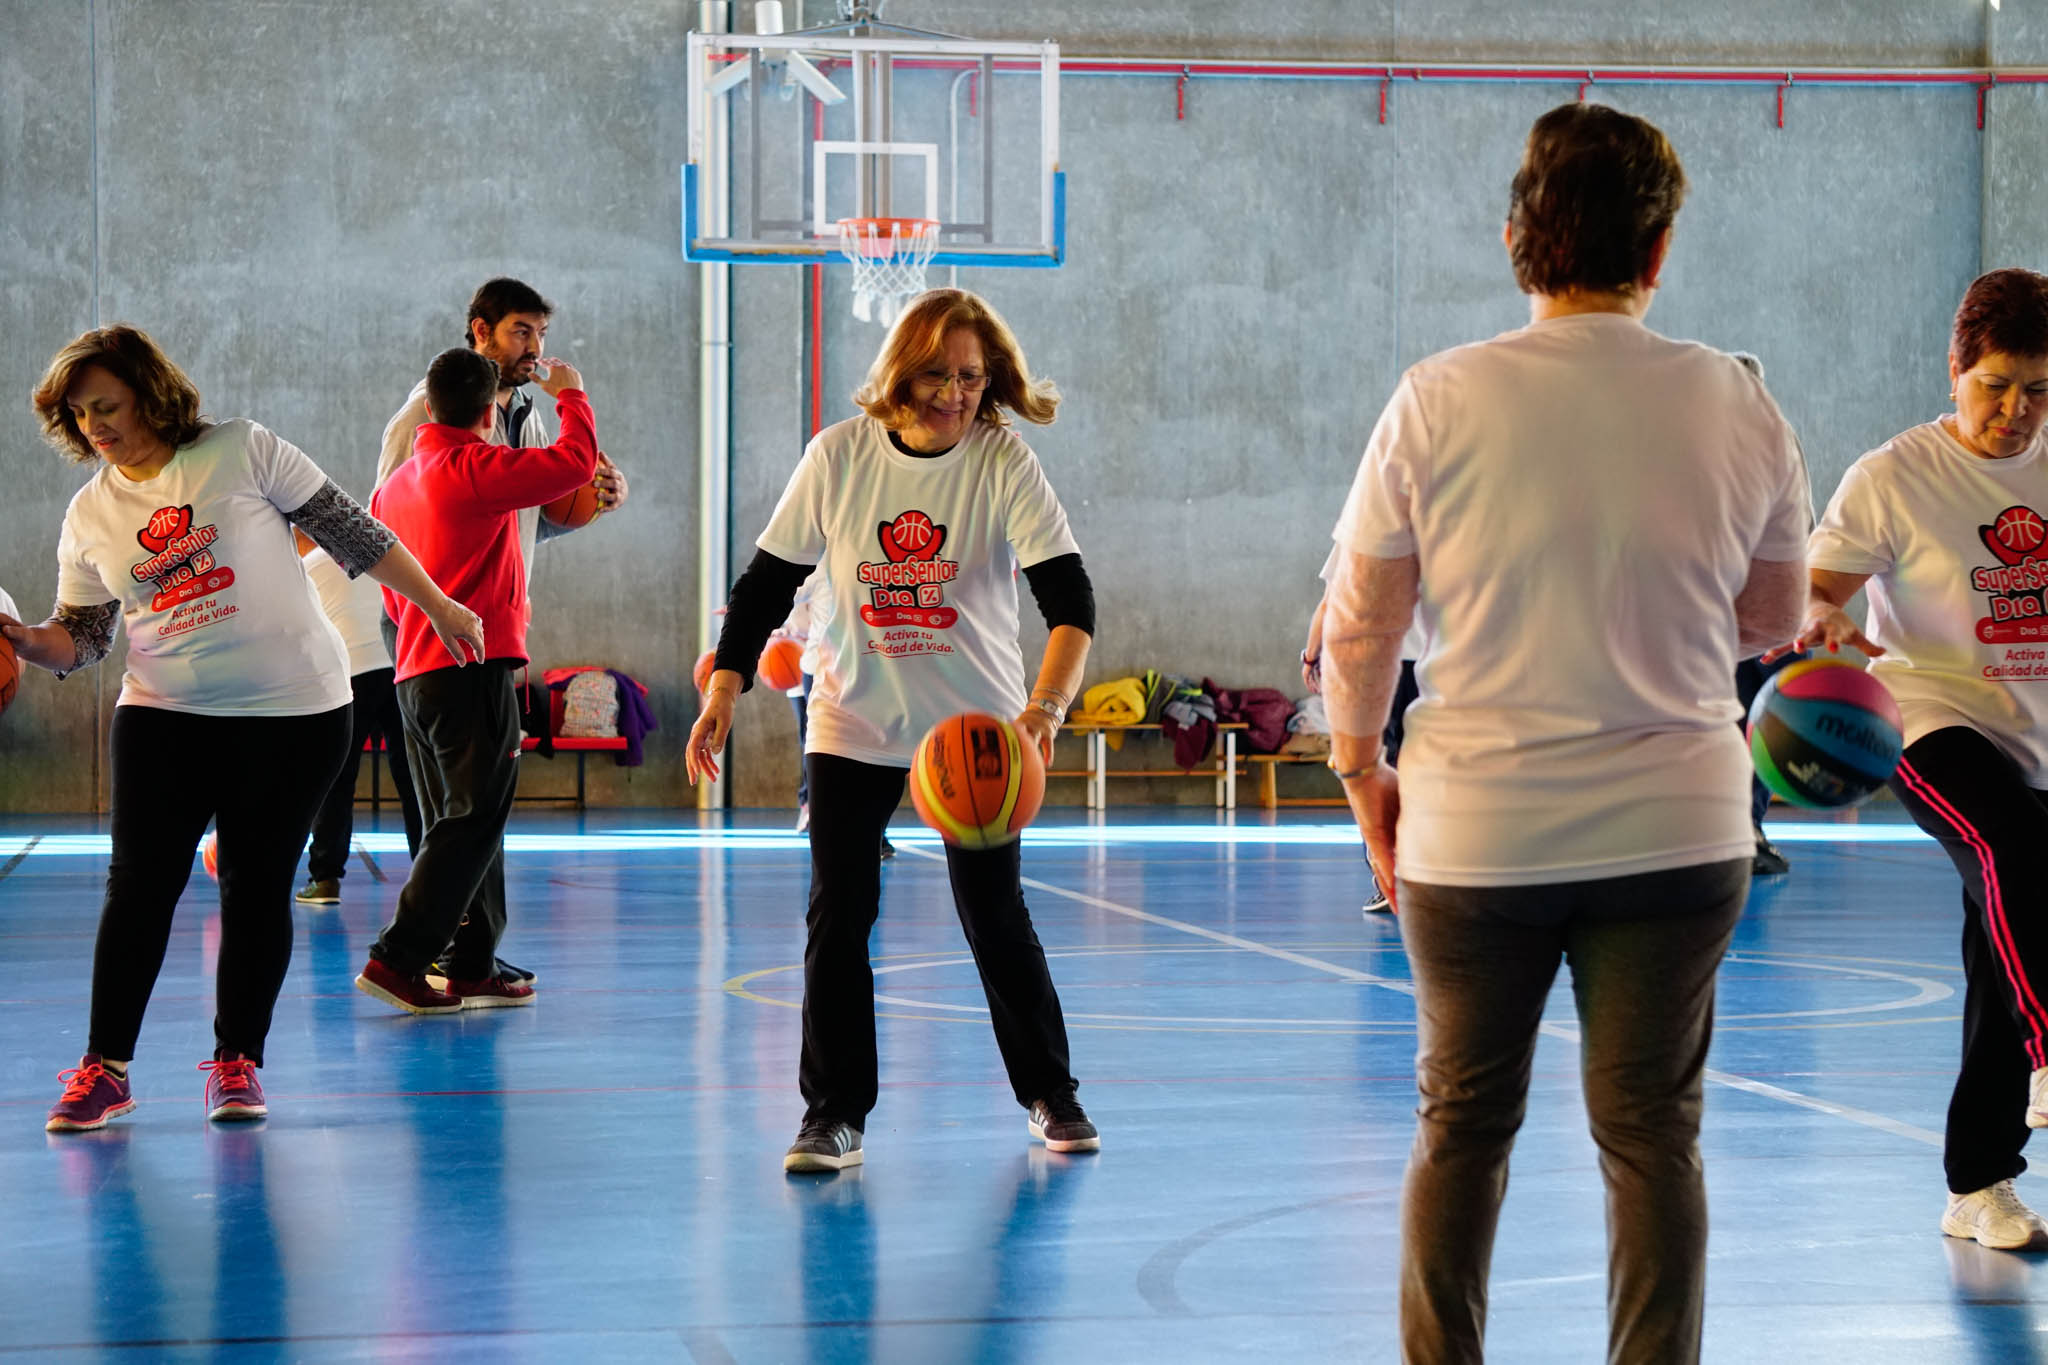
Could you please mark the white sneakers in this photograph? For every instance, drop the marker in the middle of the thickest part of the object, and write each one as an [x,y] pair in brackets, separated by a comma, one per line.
[2037,1099]
[1995,1217]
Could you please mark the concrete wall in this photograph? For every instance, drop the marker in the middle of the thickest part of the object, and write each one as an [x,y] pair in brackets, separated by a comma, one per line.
[298,195]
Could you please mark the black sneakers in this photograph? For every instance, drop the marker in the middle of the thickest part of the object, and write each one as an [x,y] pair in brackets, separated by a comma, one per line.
[824,1145]
[1062,1126]
[1767,861]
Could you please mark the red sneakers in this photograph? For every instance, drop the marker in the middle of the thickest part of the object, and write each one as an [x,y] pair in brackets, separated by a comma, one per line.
[493,992]
[410,993]
[232,1091]
[92,1095]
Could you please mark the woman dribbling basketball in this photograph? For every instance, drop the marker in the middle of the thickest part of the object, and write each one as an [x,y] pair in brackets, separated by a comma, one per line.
[1944,524]
[920,511]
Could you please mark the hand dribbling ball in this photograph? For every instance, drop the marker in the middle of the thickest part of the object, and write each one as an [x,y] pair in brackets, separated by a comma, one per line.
[1824,733]
[781,665]
[977,780]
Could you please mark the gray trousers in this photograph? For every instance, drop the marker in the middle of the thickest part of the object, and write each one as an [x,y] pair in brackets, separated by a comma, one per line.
[1643,952]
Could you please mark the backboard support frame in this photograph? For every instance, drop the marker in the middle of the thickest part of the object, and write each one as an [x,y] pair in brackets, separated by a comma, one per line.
[735,66]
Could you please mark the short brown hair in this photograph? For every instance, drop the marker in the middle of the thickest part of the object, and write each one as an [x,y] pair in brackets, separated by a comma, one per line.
[918,342]
[1595,190]
[165,399]
[2004,311]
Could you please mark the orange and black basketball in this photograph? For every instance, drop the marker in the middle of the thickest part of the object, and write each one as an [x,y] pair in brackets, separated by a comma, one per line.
[977,780]
[573,511]
[781,665]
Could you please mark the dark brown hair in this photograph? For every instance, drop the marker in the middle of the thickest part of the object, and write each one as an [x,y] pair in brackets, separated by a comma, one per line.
[165,399]
[461,386]
[496,298]
[1595,189]
[918,342]
[2004,311]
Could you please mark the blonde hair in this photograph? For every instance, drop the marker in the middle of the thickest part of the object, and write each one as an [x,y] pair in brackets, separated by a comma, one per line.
[918,342]
[165,399]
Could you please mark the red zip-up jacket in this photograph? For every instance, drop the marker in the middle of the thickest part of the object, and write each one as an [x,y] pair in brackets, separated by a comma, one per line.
[455,504]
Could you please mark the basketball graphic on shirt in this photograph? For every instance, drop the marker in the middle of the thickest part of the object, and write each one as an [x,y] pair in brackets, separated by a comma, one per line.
[166,524]
[2014,534]
[912,536]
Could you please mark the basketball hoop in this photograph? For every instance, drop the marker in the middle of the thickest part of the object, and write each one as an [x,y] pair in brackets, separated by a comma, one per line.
[888,256]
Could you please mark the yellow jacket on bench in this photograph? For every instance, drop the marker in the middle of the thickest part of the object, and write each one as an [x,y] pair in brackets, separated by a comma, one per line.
[1120,701]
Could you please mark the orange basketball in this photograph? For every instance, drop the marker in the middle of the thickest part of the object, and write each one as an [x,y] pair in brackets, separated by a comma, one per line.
[10,672]
[976,780]
[781,665]
[574,510]
[209,854]
[702,672]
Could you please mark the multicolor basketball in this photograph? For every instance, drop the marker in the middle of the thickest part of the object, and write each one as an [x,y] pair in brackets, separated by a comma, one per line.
[209,854]
[701,674]
[976,780]
[10,672]
[1824,733]
[782,664]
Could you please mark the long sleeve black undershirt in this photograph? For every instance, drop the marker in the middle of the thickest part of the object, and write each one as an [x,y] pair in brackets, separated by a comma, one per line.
[763,595]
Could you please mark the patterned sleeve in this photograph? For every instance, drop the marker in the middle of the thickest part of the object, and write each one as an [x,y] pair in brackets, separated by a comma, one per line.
[344,528]
[91,630]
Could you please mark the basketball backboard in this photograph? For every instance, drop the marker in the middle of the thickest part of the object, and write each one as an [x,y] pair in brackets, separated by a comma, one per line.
[791,133]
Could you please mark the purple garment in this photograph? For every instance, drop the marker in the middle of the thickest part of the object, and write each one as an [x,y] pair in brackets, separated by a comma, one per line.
[1264,711]
[636,718]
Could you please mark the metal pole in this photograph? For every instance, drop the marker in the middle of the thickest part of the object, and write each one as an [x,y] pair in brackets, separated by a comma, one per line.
[714,406]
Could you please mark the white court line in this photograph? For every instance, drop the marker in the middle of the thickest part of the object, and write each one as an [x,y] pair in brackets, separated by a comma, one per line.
[1865,1117]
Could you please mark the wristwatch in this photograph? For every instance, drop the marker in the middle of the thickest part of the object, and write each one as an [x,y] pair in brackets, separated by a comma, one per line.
[1051,708]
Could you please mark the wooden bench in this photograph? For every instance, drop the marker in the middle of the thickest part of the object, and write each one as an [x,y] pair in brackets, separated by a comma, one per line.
[1269,785]
[1223,771]
[582,748]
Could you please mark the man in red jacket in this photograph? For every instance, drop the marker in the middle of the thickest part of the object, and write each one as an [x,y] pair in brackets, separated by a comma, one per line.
[455,505]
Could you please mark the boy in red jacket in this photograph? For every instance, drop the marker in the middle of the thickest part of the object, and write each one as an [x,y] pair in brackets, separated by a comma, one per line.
[455,505]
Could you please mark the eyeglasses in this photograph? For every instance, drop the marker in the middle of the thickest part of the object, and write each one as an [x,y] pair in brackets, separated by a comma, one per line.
[970,381]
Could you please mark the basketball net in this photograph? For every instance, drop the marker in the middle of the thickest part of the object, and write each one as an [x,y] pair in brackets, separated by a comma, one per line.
[888,256]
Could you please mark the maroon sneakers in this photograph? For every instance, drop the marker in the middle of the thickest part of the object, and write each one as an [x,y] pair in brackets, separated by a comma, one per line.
[493,992]
[232,1091]
[92,1095]
[410,993]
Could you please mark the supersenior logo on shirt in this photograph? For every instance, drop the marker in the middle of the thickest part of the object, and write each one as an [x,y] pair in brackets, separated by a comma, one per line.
[907,587]
[181,563]
[2013,588]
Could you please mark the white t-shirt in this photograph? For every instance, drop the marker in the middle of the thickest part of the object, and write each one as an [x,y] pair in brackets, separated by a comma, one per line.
[920,593]
[1584,498]
[1953,544]
[355,607]
[804,623]
[221,621]
[7,606]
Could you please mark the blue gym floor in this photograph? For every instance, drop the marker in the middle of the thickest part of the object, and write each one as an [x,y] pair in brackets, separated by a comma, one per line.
[598,1178]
